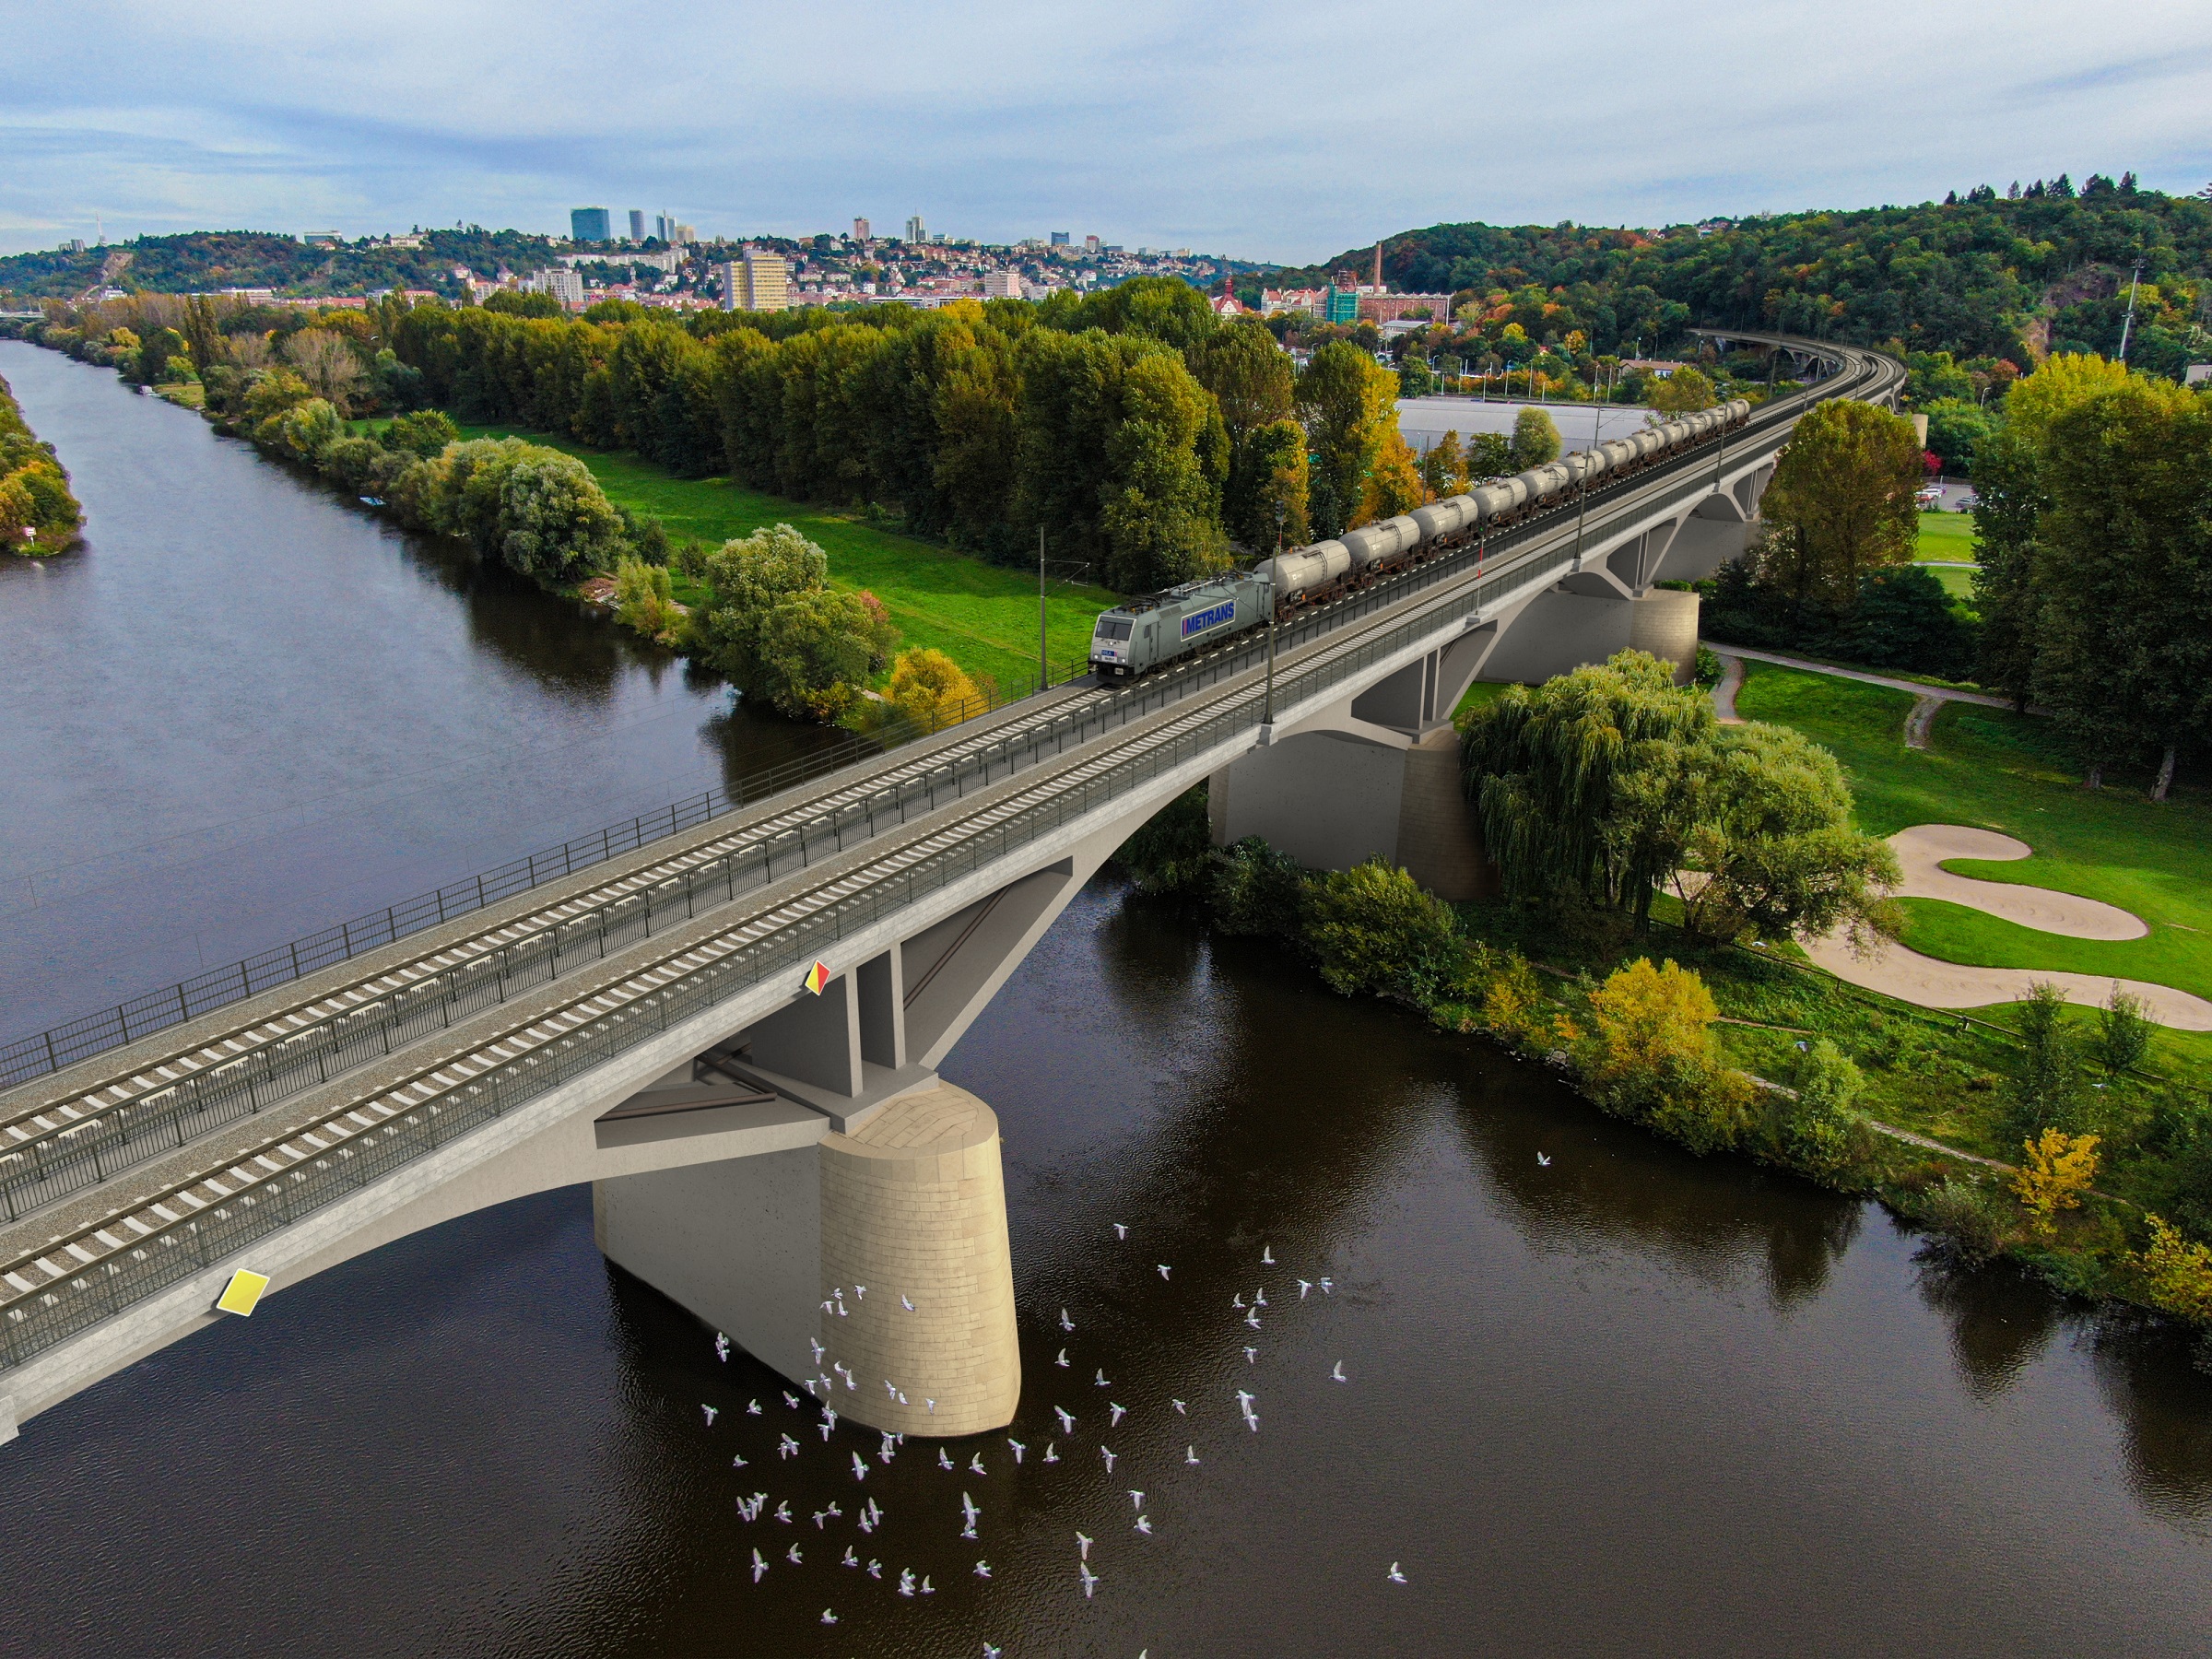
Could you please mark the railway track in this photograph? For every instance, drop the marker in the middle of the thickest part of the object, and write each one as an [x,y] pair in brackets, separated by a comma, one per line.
[474,972]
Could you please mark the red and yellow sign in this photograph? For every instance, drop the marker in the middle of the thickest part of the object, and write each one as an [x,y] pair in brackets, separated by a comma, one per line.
[817,978]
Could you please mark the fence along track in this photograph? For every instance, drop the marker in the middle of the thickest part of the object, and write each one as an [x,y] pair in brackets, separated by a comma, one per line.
[75,1145]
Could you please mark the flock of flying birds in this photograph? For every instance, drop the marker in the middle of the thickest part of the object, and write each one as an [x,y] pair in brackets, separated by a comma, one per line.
[869,1516]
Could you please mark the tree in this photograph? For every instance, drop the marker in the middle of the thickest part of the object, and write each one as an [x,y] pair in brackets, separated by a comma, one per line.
[1651,1055]
[1252,382]
[1536,441]
[555,522]
[1904,619]
[1818,1130]
[931,690]
[2176,1272]
[267,401]
[1279,485]
[425,433]
[2059,1168]
[1159,511]
[2123,571]
[1840,503]
[1444,469]
[773,625]
[1348,402]
[2123,1034]
[1393,484]
[326,361]
[2044,1090]
[644,597]
[304,432]
[1685,390]
[2008,504]
[462,495]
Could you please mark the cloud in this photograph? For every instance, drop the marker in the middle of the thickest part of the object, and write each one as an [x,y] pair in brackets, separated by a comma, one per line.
[1291,131]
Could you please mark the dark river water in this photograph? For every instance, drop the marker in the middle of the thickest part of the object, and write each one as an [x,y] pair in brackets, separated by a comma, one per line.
[1629,1402]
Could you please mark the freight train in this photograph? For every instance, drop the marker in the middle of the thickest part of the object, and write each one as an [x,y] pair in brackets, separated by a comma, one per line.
[1140,635]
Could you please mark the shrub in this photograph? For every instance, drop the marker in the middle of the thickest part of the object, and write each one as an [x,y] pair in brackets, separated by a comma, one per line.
[930,689]
[2059,1167]
[304,432]
[1818,1131]
[1653,1056]
[426,433]
[2123,1034]
[1514,1005]
[354,463]
[1373,928]
[1259,892]
[1170,853]
[2177,1274]
[1966,1222]
[643,599]
[2044,1090]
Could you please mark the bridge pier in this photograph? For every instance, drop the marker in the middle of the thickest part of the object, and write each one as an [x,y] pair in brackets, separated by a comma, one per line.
[909,1207]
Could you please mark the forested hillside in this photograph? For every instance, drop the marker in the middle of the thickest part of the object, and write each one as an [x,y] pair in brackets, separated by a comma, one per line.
[1988,276]
[208,261]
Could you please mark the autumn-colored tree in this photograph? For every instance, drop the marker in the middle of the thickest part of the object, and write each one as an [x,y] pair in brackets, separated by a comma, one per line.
[1444,468]
[2059,1167]
[930,689]
[1681,392]
[1651,1055]
[1840,503]
[1394,483]
[2176,1271]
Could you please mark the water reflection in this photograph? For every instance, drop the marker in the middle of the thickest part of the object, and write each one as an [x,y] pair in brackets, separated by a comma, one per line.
[2000,1321]
[2146,1374]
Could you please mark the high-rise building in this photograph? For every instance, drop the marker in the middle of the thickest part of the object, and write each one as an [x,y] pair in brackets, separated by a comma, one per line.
[590,225]
[1002,284]
[685,233]
[916,231]
[637,224]
[860,230]
[663,226]
[1059,238]
[565,283]
[757,282]
[1090,244]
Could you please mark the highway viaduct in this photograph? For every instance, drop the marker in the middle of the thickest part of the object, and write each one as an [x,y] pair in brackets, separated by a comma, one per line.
[769,1145]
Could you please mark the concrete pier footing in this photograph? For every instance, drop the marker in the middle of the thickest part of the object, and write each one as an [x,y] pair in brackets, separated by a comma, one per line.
[909,1207]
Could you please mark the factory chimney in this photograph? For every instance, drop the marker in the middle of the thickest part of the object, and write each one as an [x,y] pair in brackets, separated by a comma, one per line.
[1378,267]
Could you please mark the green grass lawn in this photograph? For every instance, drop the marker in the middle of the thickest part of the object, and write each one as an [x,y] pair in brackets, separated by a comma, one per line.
[1946,538]
[982,616]
[2000,770]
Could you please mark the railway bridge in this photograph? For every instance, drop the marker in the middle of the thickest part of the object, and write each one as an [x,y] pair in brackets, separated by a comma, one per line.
[733,1031]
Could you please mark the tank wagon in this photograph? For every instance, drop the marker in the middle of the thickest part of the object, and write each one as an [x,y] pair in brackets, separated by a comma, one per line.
[1142,634]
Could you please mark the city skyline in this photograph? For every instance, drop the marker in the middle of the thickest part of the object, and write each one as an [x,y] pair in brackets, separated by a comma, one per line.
[1148,127]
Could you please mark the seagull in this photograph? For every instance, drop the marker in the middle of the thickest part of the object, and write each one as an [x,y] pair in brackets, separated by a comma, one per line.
[890,1450]
[969,1510]
[1066,1323]
[784,1512]
[1109,1457]
[754,1409]
[851,1560]
[1062,1361]
[982,1569]
[1090,1580]
[1267,1255]
[1259,1297]
[867,1521]
[787,1447]
[875,1568]
[1252,1421]
[1163,1270]
[737,1463]
[906,1581]
[1543,1161]
[820,1517]
[1396,1576]
[1101,1378]
[1067,1422]
[1251,1356]
[1144,1524]
[792,1555]
[1190,1454]
[989,1651]
[1244,1399]
[1237,1301]
[945,1460]
[828,1616]
[1019,1447]
[1251,1318]
[1136,1500]
[1083,1546]
[1051,1455]
[875,1512]
[826,1425]
[818,1349]
[1304,1286]
[860,1293]
[905,1303]
[829,1415]
[1120,1232]
[1326,1288]
[975,1464]
[834,1511]
[927,1588]
[721,1348]
[1179,1406]
[860,1469]
[710,1411]
[933,1406]
[1338,1375]
[791,1399]
[890,1392]
[759,1567]
[1119,1413]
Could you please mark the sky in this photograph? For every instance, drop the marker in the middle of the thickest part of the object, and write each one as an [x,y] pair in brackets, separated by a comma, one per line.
[1286,132]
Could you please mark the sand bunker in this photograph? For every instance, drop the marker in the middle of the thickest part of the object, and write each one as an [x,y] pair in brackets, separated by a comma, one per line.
[1911,977]
[1921,849]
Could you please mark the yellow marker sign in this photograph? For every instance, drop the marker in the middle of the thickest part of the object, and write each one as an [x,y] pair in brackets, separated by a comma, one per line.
[817,978]
[242,1292]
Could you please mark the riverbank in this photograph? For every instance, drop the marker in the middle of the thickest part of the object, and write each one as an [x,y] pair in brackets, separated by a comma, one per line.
[39,516]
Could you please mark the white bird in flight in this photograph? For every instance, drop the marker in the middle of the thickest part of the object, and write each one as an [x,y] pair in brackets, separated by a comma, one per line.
[1119,1413]
[1543,1160]
[1083,1546]
[1144,1524]
[1338,1375]
[860,1293]
[759,1567]
[721,1348]
[828,1616]
[1396,1576]
[989,1651]
[1136,1499]
[975,1464]
[905,1304]
[1062,1361]
[982,1569]
[889,1451]
[826,1426]
[1051,1455]
[737,1463]
[786,1447]
[851,1560]
[1190,1454]
[753,1409]
[1326,1288]
[927,1588]
[969,1508]
[1163,1270]
[1237,1301]
[1100,1380]
[906,1581]
[1259,1297]
[1067,1422]
[1019,1447]
[860,1469]
[1267,1255]
[710,1411]
[792,1555]
[1090,1580]
[875,1568]
[818,1349]
[1251,1356]
[945,1460]
[1303,1286]
[1066,1323]
[1120,1232]
[1251,1318]
[1179,1406]
[791,1399]
[1109,1457]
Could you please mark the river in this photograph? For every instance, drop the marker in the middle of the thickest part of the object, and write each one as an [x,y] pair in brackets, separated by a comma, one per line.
[1626,1401]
